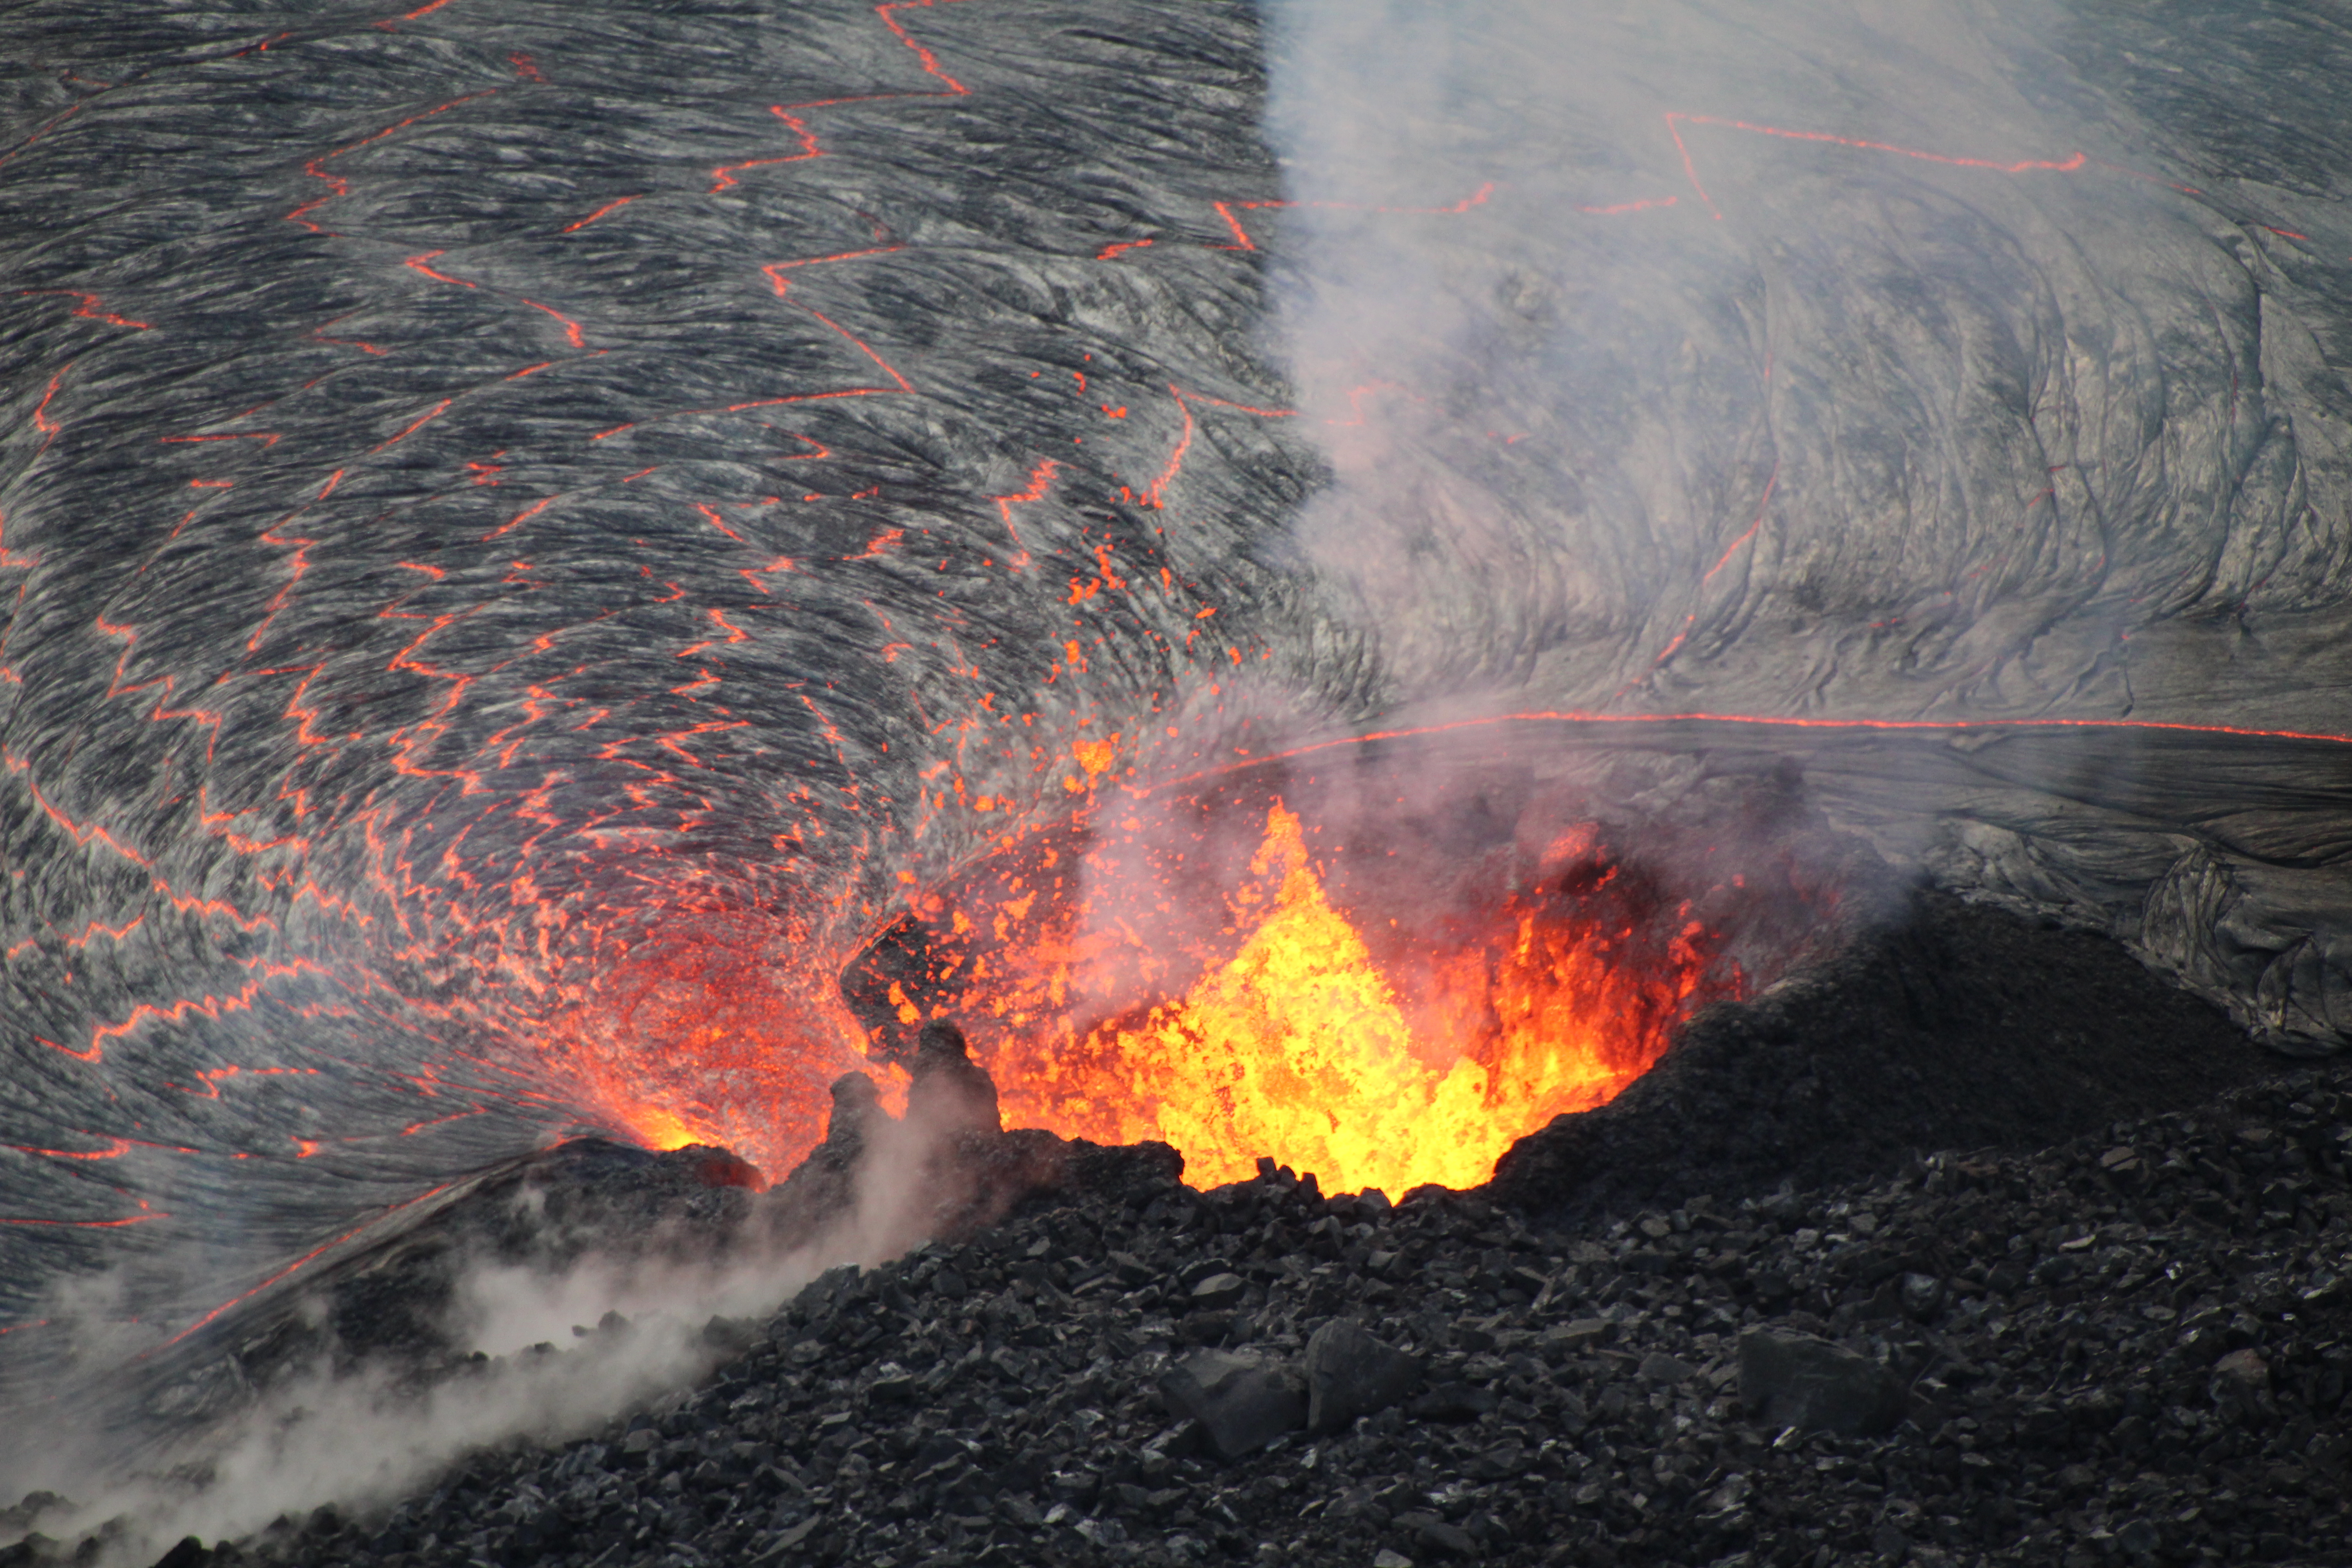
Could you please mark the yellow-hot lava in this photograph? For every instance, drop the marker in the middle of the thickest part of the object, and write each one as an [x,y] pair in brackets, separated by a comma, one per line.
[1306,1047]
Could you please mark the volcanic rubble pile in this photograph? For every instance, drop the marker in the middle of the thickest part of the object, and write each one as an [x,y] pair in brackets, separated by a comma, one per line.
[2130,1349]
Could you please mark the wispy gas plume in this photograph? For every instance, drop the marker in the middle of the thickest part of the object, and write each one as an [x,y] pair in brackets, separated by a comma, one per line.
[565,1350]
[1847,361]
[1769,359]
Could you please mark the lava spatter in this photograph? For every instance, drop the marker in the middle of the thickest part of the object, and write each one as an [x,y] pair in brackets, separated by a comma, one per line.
[1306,1047]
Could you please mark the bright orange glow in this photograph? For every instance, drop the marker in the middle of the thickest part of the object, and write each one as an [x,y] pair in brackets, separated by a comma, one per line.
[706,1035]
[1305,1045]
[659,1128]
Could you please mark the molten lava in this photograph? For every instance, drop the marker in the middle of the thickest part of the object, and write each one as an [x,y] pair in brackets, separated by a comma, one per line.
[1421,1062]
[704,1036]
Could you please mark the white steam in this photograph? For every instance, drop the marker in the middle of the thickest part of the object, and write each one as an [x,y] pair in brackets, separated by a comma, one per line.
[363,1440]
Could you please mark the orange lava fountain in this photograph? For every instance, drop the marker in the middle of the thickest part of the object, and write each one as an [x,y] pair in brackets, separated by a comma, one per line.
[1421,1064]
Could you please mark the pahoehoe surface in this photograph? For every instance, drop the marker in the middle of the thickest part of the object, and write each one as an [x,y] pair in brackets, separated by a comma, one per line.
[497,490]
[518,524]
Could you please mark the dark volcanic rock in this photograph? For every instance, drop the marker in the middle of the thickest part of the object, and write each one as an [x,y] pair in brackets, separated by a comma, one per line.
[1801,1381]
[1217,1292]
[1452,1401]
[385,1298]
[1242,1403]
[2138,1355]
[1956,1026]
[1351,1375]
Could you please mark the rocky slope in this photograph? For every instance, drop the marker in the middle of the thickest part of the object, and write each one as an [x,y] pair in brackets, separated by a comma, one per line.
[2132,1348]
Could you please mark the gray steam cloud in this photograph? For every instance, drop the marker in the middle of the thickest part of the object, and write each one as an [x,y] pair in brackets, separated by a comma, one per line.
[1844,361]
[363,1436]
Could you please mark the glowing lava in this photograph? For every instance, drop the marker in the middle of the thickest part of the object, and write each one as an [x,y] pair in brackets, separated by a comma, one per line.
[706,1034]
[1421,1064]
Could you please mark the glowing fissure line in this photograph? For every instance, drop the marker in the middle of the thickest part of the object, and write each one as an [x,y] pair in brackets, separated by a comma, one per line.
[299,561]
[425,10]
[570,328]
[121,1146]
[1157,495]
[189,904]
[753,575]
[784,291]
[1954,726]
[339,186]
[519,519]
[735,634]
[930,64]
[81,836]
[84,1224]
[903,384]
[609,207]
[306,1258]
[429,415]
[723,176]
[36,135]
[1646,205]
[1040,478]
[1763,508]
[158,713]
[416,264]
[48,427]
[1356,395]
[266,438]
[9,557]
[212,1007]
[211,1077]
[1242,240]
[2023,166]
[89,307]
[89,934]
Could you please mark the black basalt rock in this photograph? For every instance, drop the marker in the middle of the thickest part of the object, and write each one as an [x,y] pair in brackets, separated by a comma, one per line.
[1801,1381]
[1241,1401]
[1351,1375]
